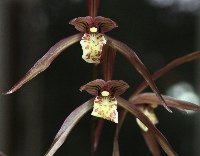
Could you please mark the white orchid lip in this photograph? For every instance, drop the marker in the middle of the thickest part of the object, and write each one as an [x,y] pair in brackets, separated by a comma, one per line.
[93,40]
[105,107]
[92,45]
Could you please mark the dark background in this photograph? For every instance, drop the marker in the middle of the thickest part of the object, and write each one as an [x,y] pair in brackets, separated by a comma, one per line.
[31,117]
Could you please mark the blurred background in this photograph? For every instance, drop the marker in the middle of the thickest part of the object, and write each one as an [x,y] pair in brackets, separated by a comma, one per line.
[159,31]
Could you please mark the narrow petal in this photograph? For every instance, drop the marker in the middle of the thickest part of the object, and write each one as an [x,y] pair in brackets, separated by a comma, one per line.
[151,142]
[46,60]
[105,24]
[122,115]
[133,58]
[159,136]
[150,98]
[93,87]
[105,107]
[92,45]
[168,67]
[81,23]
[117,86]
[68,125]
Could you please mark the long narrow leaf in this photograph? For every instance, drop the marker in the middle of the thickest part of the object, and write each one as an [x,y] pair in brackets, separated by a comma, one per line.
[162,71]
[159,136]
[46,60]
[133,58]
[68,125]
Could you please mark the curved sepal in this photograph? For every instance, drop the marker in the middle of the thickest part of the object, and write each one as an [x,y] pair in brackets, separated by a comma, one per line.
[93,87]
[81,23]
[115,87]
[105,24]
[137,113]
[133,58]
[179,61]
[118,87]
[46,60]
[151,142]
[150,98]
[122,115]
[68,125]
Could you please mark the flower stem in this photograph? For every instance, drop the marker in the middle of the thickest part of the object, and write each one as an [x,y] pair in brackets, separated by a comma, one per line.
[92,6]
[107,62]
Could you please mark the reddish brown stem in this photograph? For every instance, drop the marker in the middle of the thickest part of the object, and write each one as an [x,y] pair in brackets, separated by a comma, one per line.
[107,62]
[92,6]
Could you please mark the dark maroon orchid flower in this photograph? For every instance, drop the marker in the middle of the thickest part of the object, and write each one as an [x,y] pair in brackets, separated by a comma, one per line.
[99,48]
[93,40]
[148,111]
[105,106]
[147,102]
[105,103]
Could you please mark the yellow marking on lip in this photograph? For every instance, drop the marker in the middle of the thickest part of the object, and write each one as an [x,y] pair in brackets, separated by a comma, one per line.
[105,93]
[93,29]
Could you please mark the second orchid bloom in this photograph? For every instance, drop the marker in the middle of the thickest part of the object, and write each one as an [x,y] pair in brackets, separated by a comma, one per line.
[105,103]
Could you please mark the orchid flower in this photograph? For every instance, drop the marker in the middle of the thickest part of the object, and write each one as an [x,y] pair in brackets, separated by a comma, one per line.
[94,45]
[148,111]
[105,103]
[147,102]
[93,39]
[92,42]
[138,99]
